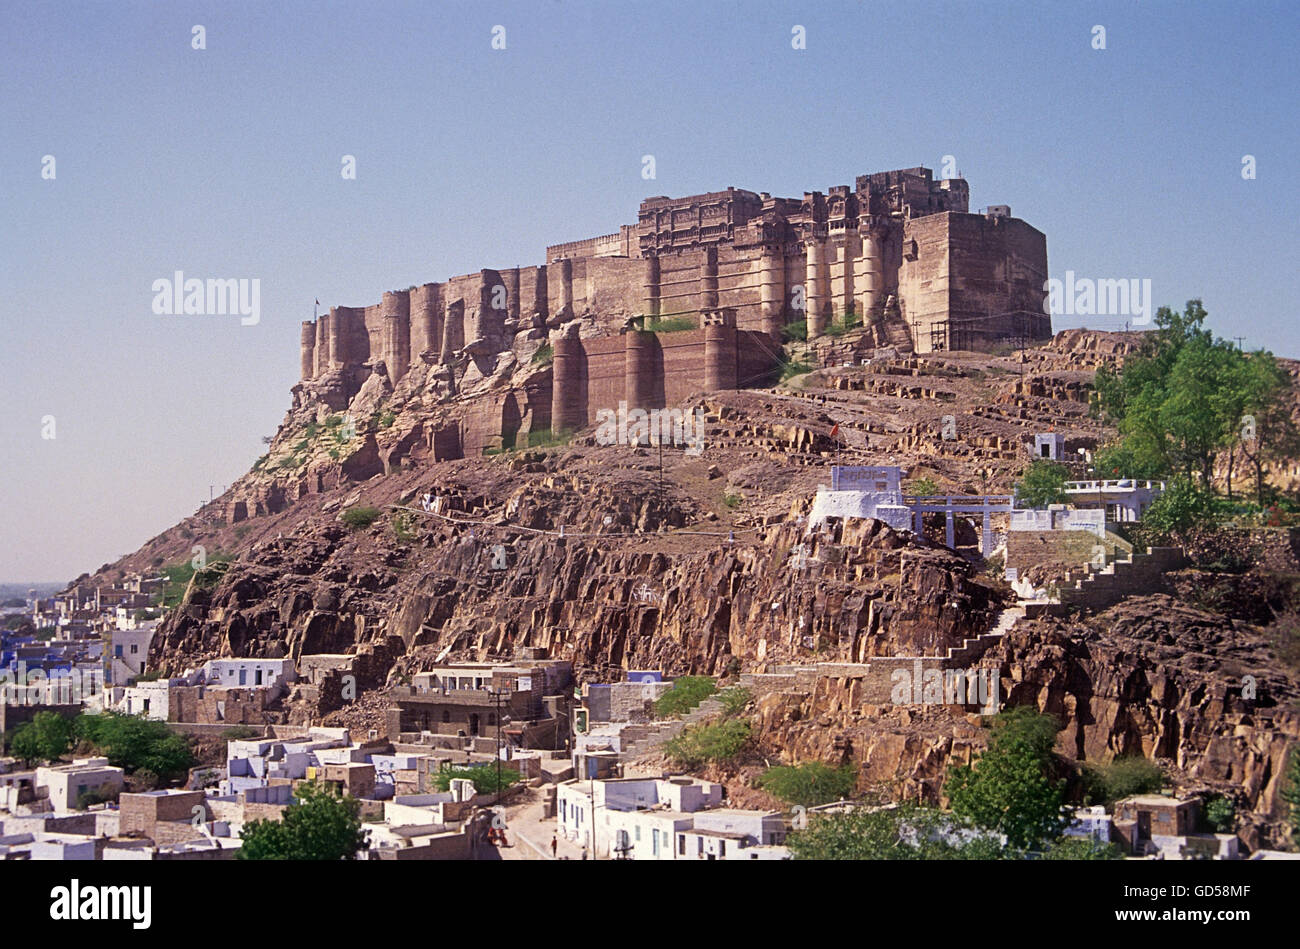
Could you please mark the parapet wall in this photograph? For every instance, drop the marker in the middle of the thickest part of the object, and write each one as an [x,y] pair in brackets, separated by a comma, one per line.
[960,280]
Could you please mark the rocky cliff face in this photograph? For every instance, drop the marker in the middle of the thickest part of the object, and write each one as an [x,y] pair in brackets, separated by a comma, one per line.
[1149,677]
[689,602]
[704,564]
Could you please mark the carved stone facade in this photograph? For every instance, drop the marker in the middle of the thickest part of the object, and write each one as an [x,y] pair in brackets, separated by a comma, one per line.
[898,252]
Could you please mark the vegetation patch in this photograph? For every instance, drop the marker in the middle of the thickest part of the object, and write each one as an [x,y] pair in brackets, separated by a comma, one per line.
[809,784]
[357,518]
[716,743]
[687,693]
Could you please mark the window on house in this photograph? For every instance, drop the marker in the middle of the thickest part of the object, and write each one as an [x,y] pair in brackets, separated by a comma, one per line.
[638,832]
[446,715]
[135,648]
[681,845]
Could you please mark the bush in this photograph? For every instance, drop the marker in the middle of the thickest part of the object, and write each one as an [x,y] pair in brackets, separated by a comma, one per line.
[686,693]
[734,699]
[791,368]
[544,355]
[718,743]
[1081,848]
[100,795]
[732,500]
[809,784]
[484,778]
[239,733]
[1220,814]
[1290,792]
[672,324]
[906,832]
[403,523]
[795,332]
[356,518]
[1122,778]
[924,487]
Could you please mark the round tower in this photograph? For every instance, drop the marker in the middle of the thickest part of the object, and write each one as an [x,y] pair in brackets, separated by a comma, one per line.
[568,391]
[815,289]
[720,355]
[709,279]
[868,284]
[652,287]
[395,311]
[566,286]
[307,349]
[322,345]
[639,370]
[771,290]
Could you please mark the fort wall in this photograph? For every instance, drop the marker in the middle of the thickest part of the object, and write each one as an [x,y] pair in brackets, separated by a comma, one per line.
[738,265]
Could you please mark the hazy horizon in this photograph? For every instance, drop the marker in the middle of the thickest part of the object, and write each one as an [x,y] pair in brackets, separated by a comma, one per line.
[225,162]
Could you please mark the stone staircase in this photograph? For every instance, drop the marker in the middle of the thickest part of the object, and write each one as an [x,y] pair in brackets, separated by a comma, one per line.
[639,740]
[1102,587]
[876,672]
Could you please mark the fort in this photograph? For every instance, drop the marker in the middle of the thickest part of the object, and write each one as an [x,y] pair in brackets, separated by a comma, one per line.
[700,294]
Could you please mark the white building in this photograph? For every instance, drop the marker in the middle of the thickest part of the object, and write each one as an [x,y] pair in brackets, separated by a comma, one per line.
[248,673]
[128,650]
[664,819]
[863,492]
[66,783]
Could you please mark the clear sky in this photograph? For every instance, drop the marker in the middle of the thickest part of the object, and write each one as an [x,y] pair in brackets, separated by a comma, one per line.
[225,162]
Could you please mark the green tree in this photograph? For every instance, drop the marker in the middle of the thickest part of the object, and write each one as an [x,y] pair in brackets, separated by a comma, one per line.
[318,825]
[136,744]
[1009,787]
[1042,483]
[905,832]
[1184,505]
[47,737]
[1267,432]
[1185,397]
[809,784]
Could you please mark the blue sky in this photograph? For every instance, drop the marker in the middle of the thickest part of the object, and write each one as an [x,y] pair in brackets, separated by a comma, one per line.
[225,162]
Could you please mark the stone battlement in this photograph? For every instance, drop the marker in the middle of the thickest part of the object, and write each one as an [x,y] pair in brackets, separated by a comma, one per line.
[899,245]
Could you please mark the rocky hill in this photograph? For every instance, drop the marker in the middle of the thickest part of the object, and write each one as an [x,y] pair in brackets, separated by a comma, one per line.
[622,557]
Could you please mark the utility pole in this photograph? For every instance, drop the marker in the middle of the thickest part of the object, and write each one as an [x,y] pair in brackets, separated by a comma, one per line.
[1239,340]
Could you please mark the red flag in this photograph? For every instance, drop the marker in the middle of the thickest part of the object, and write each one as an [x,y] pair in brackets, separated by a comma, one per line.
[835,430]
